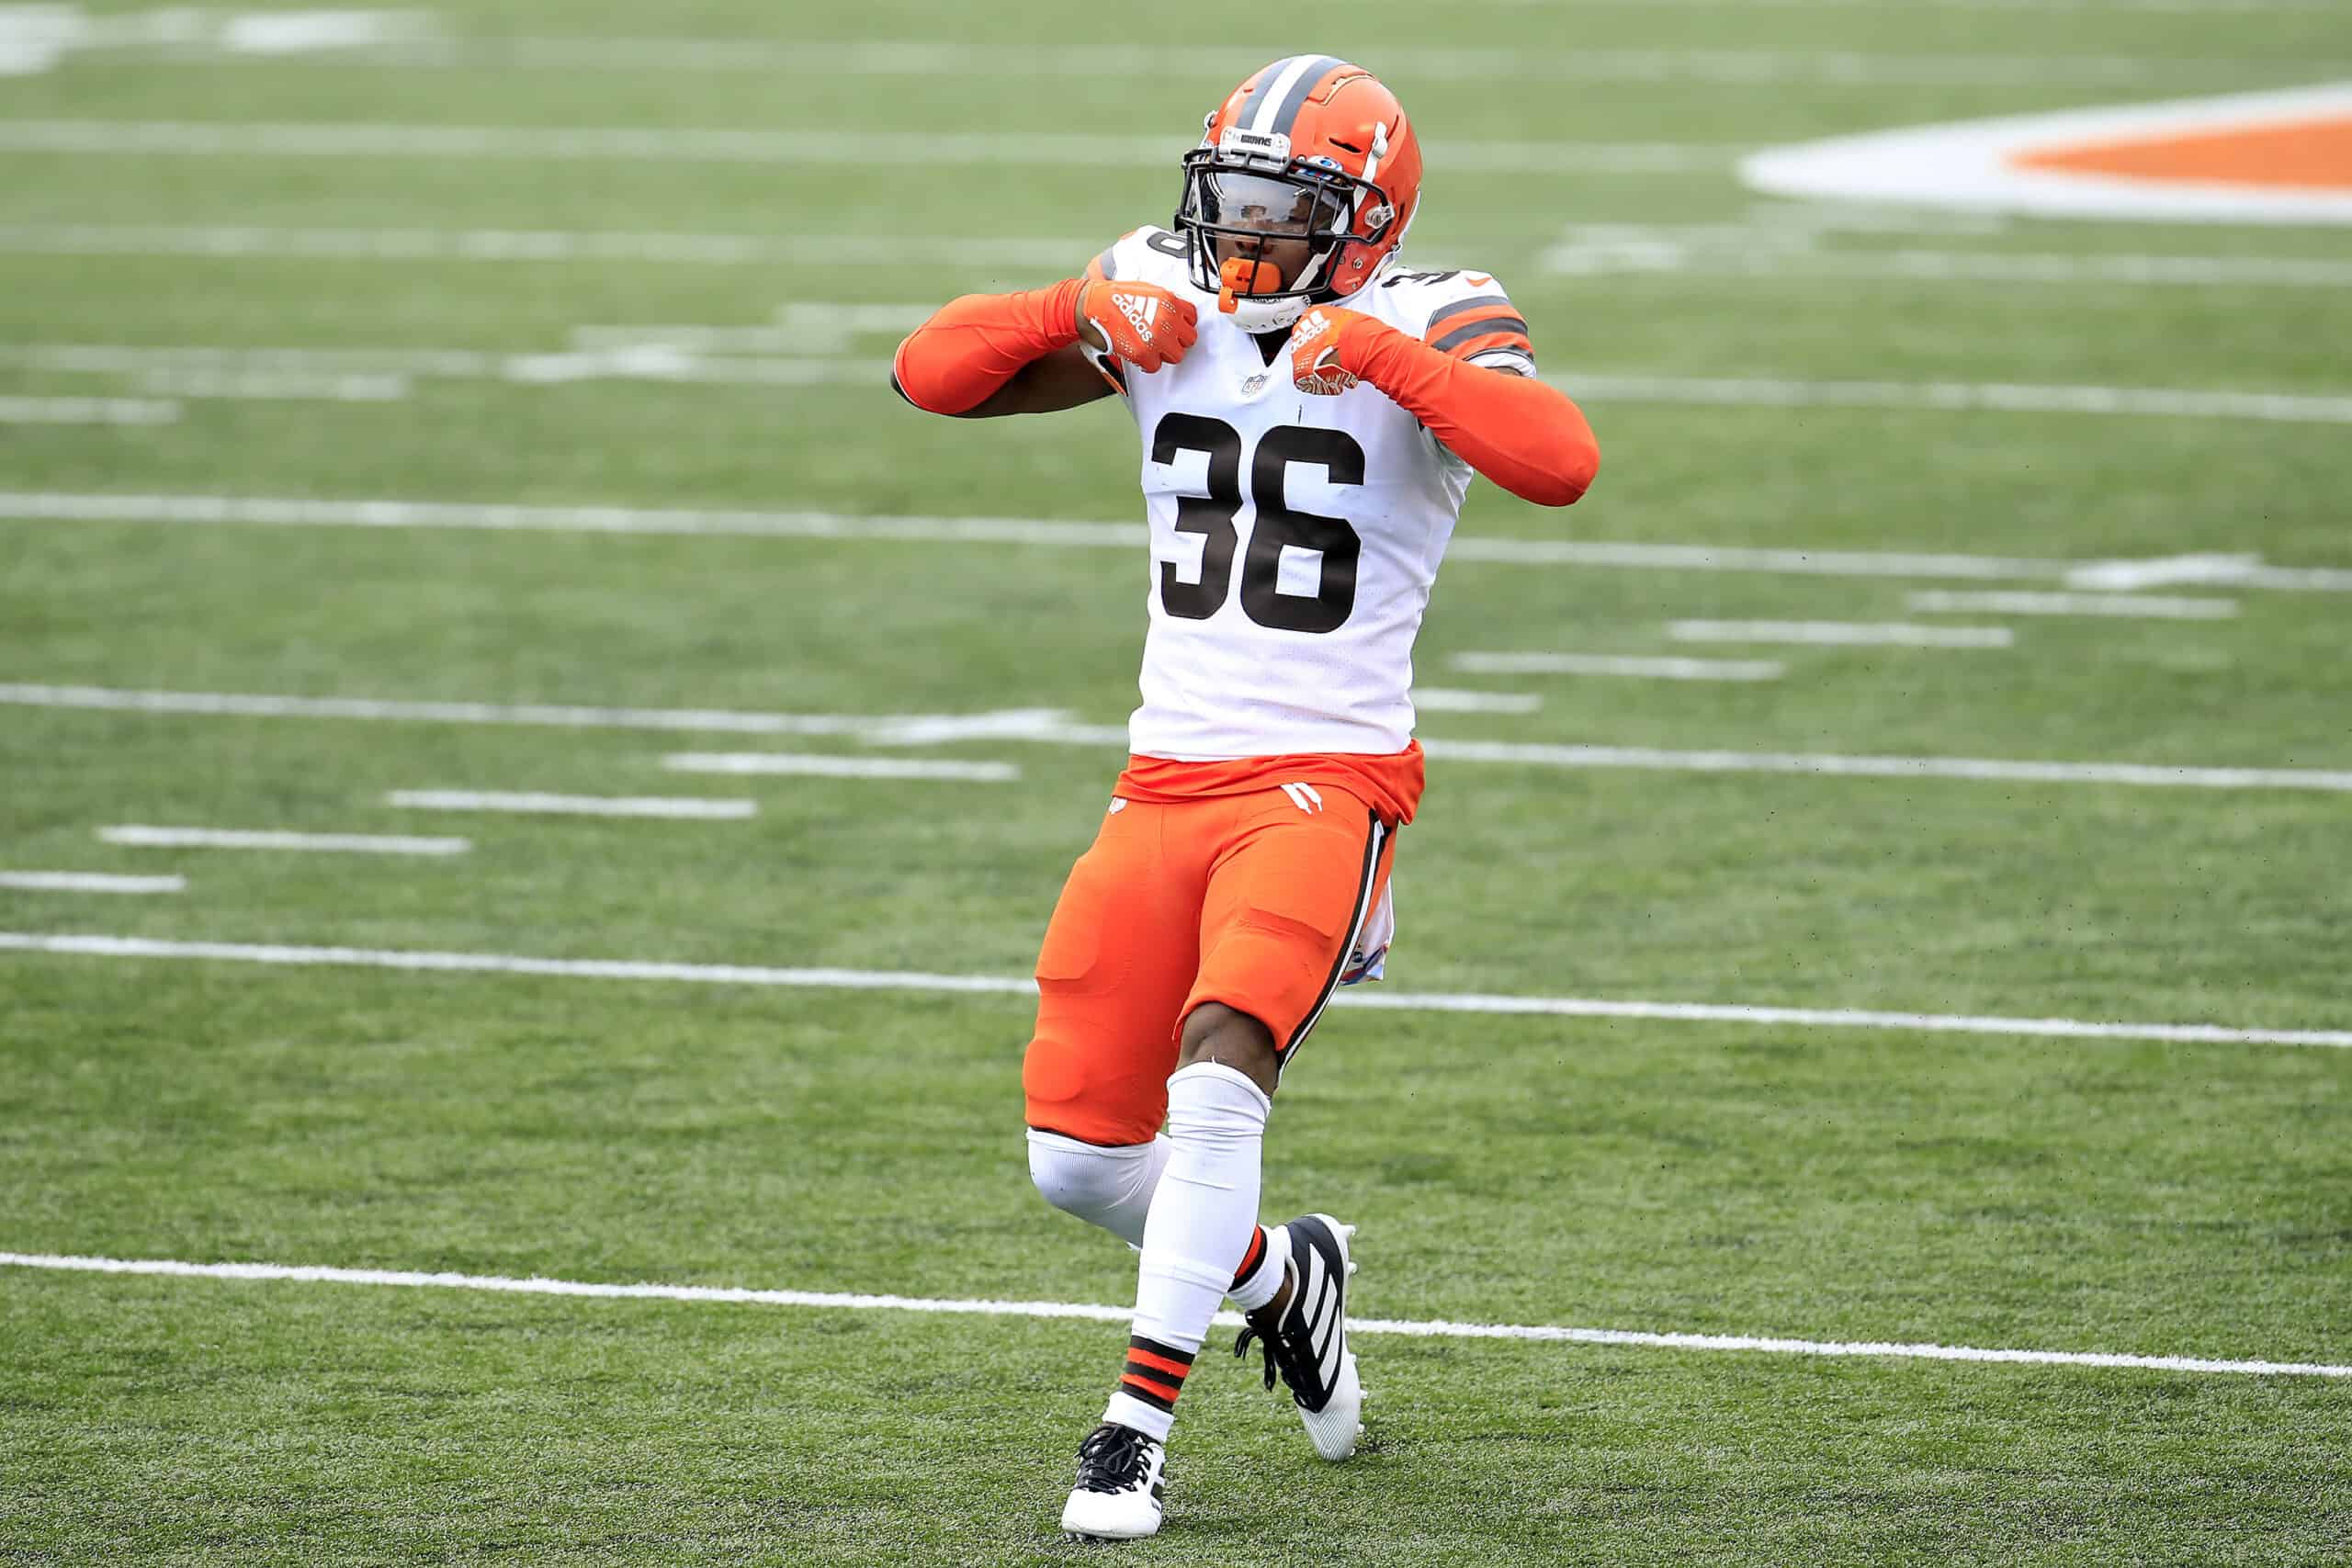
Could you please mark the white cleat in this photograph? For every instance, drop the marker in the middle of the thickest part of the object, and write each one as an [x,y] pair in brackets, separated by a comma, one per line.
[1120,1480]
[1309,1347]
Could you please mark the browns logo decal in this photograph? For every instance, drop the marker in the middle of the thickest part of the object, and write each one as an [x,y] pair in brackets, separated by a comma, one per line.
[2277,157]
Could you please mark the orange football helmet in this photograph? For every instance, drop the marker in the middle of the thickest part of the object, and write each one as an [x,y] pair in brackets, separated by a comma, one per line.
[1309,148]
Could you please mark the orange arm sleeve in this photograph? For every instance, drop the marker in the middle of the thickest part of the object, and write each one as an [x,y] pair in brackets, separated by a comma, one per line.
[975,344]
[1530,438]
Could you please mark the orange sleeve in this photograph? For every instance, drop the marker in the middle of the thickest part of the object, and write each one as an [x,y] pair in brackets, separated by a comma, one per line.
[975,344]
[1528,437]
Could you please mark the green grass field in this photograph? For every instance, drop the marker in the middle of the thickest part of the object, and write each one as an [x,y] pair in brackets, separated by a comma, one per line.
[1993,1190]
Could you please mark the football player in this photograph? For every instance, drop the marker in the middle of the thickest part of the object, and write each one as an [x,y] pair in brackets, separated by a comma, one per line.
[1311,416]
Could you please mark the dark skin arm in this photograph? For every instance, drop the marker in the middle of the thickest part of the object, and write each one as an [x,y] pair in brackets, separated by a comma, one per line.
[1062,379]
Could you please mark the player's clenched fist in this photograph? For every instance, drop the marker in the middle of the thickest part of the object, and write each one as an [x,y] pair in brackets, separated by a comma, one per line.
[1144,324]
[1316,349]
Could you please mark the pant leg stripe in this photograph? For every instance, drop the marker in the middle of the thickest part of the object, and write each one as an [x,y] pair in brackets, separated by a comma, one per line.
[1355,928]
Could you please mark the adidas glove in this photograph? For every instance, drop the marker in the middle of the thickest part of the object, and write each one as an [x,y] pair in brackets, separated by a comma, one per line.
[1316,349]
[1144,325]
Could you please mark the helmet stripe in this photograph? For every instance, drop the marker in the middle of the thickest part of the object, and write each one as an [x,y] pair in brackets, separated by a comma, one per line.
[1279,101]
[1311,68]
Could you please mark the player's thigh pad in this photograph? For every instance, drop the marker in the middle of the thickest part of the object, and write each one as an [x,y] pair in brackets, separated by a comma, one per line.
[1119,954]
[1282,906]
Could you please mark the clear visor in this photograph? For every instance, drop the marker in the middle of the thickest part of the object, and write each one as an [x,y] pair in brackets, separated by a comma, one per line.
[1264,204]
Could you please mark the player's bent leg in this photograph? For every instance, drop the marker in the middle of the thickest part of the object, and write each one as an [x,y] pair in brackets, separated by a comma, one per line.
[1281,916]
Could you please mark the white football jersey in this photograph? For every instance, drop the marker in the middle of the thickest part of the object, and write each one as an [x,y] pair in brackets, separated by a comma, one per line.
[1294,537]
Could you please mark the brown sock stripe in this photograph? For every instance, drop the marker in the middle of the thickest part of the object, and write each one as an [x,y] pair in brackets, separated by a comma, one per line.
[1152,1354]
[1155,1372]
[1251,1259]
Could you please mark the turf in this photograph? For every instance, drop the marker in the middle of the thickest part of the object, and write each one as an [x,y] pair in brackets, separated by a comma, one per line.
[2183,1200]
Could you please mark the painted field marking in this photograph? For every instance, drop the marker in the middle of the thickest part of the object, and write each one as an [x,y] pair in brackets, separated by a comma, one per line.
[334,139]
[1775,252]
[148,837]
[832,1301]
[216,511]
[1841,634]
[157,359]
[1223,66]
[1836,765]
[2222,570]
[95,946]
[1055,728]
[89,882]
[237,241]
[1619,665]
[87,410]
[2146,402]
[536,802]
[275,385]
[1443,699]
[237,705]
[806,764]
[2128,606]
[2076,8]
[2063,164]
[654,362]
[37,37]
[378,375]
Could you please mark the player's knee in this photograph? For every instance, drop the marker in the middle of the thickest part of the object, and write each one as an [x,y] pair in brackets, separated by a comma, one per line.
[1071,1176]
[1105,1185]
[1216,1032]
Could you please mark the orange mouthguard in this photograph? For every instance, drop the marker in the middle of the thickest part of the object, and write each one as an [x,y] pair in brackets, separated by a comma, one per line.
[1242,276]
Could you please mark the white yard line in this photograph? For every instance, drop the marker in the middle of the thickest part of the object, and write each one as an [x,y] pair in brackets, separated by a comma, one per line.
[225,241]
[1221,67]
[1444,699]
[1619,665]
[93,946]
[536,802]
[1054,727]
[829,148]
[211,511]
[2068,7]
[1648,759]
[147,836]
[659,361]
[838,1301]
[2147,402]
[274,386]
[374,375]
[1716,254]
[242,705]
[89,882]
[2150,607]
[87,410]
[805,764]
[2225,570]
[1841,634]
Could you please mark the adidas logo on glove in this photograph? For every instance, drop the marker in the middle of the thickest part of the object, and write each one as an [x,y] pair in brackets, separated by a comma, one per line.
[1139,311]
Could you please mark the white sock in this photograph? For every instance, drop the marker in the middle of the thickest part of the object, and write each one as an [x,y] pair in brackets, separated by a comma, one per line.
[1265,1281]
[1110,1186]
[1200,1223]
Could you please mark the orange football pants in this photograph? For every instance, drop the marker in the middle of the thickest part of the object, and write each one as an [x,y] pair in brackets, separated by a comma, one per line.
[1252,900]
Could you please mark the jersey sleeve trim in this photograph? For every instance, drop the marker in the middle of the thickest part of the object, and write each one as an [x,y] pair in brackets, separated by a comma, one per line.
[1492,330]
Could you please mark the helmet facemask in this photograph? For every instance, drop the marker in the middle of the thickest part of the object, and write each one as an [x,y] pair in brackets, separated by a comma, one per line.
[1242,208]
